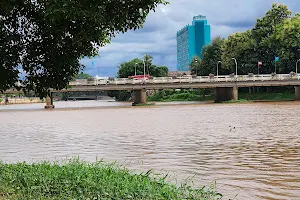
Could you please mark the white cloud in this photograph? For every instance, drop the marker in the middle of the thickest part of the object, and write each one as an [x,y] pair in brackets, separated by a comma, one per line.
[158,36]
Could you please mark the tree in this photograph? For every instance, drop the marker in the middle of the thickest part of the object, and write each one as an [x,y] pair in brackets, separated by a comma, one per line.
[240,47]
[275,34]
[259,44]
[83,76]
[265,48]
[45,39]
[127,69]
[148,62]
[211,54]
[161,71]
[195,65]
[287,37]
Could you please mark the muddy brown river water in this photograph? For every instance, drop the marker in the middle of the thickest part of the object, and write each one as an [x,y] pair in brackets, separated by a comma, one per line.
[252,150]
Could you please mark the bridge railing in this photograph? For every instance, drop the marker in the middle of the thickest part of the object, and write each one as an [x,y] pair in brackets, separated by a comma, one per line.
[189,79]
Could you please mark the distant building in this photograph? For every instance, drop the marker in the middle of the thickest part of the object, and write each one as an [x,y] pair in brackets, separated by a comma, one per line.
[190,41]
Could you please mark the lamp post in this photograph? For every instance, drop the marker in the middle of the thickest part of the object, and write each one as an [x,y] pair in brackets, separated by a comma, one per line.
[297,69]
[135,69]
[218,68]
[196,61]
[297,66]
[235,66]
[144,68]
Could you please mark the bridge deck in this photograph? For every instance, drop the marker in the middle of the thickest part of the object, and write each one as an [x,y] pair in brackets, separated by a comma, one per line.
[169,83]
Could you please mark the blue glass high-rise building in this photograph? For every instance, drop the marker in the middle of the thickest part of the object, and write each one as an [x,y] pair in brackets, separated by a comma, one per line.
[190,41]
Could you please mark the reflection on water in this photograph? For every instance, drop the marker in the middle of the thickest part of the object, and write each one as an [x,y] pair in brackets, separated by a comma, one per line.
[252,150]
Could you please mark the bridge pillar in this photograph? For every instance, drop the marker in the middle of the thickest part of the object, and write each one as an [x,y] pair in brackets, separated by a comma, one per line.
[235,93]
[49,101]
[297,92]
[140,97]
[226,94]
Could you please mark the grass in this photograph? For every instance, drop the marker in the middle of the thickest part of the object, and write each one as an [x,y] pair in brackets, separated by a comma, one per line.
[196,95]
[237,101]
[167,96]
[145,104]
[75,179]
[276,96]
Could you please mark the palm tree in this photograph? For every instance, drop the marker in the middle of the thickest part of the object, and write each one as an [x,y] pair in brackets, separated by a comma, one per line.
[148,61]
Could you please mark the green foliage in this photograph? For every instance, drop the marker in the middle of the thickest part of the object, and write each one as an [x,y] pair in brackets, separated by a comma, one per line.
[196,65]
[211,55]
[161,71]
[145,104]
[127,69]
[236,101]
[83,76]
[120,95]
[275,34]
[185,95]
[48,37]
[239,46]
[80,180]
[276,96]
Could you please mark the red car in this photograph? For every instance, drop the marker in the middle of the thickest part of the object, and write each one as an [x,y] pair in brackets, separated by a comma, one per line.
[138,77]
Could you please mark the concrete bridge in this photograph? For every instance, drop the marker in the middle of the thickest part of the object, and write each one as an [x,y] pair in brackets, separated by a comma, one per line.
[226,86]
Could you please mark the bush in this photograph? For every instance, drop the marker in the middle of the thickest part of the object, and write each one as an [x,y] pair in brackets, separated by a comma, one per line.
[120,95]
[183,95]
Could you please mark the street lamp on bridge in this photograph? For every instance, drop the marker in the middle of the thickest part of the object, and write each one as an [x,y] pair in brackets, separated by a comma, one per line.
[218,70]
[235,66]
[135,69]
[144,68]
[297,66]
[218,67]
[196,61]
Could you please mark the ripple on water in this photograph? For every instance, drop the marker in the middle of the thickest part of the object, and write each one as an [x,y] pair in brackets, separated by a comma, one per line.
[252,150]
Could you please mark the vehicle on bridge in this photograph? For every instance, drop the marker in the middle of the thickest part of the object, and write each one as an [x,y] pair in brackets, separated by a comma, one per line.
[139,77]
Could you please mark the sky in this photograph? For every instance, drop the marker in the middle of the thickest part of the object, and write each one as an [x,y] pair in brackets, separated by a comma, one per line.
[158,35]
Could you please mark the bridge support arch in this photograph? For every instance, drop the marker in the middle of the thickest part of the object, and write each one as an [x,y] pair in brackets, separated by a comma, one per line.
[49,101]
[140,97]
[297,92]
[226,94]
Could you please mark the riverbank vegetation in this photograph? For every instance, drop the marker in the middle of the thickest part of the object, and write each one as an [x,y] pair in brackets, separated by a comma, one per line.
[245,94]
[76,179]
[181,95]
[145,104]
[267,96]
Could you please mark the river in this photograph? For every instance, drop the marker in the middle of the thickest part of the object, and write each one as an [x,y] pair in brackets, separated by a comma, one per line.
[252,149]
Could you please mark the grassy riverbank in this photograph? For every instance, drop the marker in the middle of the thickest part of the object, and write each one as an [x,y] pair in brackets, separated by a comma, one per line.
[185,95]
[80,180]
[146,104]
[196,95]
[269,96]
